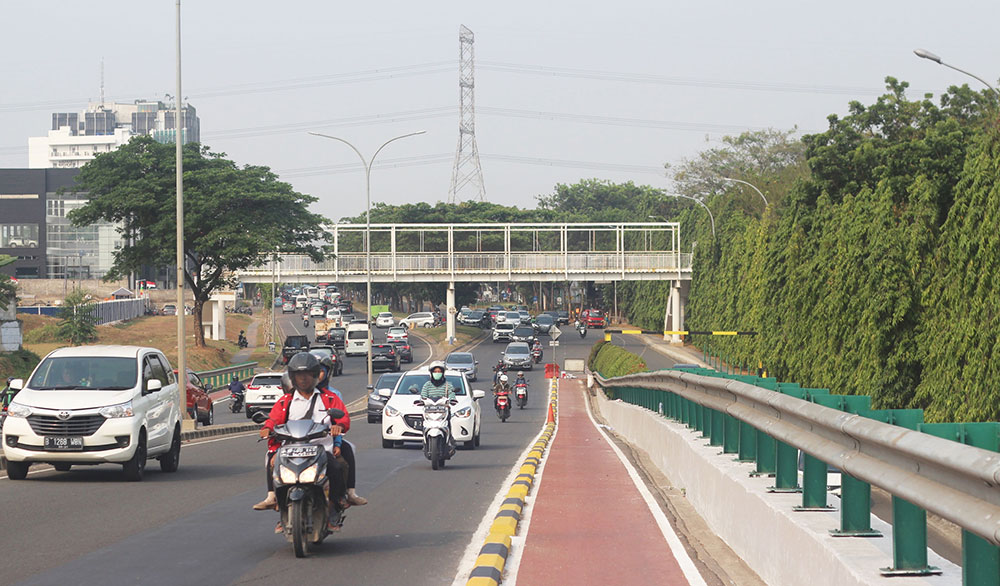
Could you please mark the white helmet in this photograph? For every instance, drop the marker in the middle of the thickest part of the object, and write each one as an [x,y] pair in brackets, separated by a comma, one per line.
[520,373]
[503,378]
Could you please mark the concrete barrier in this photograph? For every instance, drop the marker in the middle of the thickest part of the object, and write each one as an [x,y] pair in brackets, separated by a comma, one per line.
[784,547]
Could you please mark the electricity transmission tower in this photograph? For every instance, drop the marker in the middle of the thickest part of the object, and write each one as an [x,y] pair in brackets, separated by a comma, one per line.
[467,174]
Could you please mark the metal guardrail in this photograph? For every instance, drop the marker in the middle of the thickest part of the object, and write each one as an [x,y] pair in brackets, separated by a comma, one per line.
[221,377]
[911,460]
[105,311]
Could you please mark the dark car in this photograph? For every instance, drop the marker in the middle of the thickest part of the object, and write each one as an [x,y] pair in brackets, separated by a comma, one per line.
[523,334]
[292,346]
[404,349]
[477,318]
[543,323]
[336,354]
[562,316]
[336,337]
[385,356]
[376,402]
[199,403]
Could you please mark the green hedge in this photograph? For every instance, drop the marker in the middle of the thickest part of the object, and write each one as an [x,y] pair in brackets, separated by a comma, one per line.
[611,360]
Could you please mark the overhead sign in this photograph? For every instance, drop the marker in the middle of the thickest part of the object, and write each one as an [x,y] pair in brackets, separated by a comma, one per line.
[555,332]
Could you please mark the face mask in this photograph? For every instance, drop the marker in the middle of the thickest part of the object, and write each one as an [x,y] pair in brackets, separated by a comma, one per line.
[437,376]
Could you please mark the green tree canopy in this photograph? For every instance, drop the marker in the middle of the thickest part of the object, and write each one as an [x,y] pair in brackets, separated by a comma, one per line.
[232,215]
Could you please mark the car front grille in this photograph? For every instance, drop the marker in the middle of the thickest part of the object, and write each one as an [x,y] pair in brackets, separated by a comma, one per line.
[414,422]
[82,425]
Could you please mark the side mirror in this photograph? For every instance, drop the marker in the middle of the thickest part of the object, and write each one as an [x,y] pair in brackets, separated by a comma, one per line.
[476,395]
[477,362]
[153,385]
[370,387]
[258,417]
[335,413]
[17,384]
[385,393]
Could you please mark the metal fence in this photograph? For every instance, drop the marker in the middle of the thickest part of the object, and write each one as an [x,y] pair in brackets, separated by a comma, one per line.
[221,377]
[105,311]
[951,469]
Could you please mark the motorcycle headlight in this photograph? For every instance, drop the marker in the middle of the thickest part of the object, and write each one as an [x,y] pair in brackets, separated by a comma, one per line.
[391,411]
[288,476]
[309,474]
[18,410]
[115,411]
[464,412]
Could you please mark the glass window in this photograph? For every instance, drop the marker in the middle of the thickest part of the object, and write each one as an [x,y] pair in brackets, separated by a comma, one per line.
[18,235]
[84,373]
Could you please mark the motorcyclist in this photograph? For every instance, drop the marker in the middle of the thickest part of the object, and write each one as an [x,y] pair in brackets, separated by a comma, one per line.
[520,380]
[438,386]
[241,341]
[499,369]
[346,447]
[304,370]
[236,386]
[501,386]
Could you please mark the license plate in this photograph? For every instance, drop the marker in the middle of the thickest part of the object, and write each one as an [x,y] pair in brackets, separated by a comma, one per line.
[300,451]
[63,444]
[418,424]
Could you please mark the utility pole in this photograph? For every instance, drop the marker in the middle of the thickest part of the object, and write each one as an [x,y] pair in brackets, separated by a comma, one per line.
[467,172]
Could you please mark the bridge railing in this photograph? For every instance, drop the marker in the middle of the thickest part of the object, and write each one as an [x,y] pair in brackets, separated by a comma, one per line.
[952,470]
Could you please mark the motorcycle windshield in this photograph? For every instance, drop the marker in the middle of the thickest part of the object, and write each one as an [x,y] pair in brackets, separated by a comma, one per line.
[299,429]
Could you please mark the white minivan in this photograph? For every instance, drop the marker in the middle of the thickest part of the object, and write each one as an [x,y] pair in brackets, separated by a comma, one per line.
[95,405]
[358,339]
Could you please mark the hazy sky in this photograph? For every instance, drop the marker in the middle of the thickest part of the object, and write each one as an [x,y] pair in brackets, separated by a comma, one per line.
[615,88]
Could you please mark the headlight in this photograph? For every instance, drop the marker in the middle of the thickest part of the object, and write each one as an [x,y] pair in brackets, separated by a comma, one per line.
[391,411]
[288,476]
[309,474]
[464,412]
[123,410]
[18,410]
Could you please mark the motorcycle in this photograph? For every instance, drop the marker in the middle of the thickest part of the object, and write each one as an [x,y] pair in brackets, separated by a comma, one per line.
[502,403]
[581,328]
[301,484]
[235,402]
[438,446]
[242,341]
[521,394]
[305,320]
[536,354]
[499,369]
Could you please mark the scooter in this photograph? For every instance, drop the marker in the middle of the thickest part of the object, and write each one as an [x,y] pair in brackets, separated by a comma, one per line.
[438,446]
[502,403]
[536,353]
[521,394]
[301,484]
[581,328]
[235,402]
[305,320]
[242,341]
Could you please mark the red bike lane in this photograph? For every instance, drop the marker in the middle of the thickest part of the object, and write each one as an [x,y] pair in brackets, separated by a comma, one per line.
[590,523]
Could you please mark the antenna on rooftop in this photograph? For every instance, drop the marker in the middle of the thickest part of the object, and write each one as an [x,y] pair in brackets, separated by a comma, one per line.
[102,82]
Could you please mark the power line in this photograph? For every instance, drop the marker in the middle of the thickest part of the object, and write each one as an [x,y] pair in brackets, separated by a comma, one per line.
[288,128]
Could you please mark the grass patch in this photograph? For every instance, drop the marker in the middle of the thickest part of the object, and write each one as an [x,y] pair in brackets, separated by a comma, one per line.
[17,364]
[463,334]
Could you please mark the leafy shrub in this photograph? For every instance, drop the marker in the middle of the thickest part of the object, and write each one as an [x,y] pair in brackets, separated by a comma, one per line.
[612,361]
[77,319]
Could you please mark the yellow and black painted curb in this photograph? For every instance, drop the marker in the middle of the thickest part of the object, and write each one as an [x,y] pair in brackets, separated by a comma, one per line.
[608,332]
[488,570]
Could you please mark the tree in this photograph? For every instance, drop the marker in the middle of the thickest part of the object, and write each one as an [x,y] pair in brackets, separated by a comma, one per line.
[8,289]
[77,319]
[233,216]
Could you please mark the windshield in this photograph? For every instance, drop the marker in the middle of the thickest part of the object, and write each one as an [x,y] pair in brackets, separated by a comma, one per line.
[384,314]
[321,353]
[388,380]
[85,373]
[459,359]
[383,349]
[274,381]
[544,319]
[412,383]
[476,314]
[358,335]
[519,348]
[505,326]
[526,331]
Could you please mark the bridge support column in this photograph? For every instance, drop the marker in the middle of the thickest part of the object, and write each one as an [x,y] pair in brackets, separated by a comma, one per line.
[675,310]
[450,317]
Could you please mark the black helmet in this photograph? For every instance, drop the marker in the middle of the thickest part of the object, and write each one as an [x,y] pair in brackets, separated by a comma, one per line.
[303,362]
[327,363]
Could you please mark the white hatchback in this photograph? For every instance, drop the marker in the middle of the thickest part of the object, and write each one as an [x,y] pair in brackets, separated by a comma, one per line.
[262,393]
[402,419]
[384,320]
[396,334]
[95,405]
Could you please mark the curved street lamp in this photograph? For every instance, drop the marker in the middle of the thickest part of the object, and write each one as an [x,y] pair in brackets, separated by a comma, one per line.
[701,203]
[925,54]
[368,219]
[751,185]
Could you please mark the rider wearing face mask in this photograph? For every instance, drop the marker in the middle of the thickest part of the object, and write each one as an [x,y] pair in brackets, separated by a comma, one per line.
[438,386]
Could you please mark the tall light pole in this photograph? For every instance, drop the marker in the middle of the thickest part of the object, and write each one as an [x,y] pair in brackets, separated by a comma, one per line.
[368,220]
[701,203]
[181,358]
[751,185]
[925,54]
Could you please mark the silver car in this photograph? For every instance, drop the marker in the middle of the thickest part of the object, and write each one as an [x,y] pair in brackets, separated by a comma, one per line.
[517,356]
[463,362]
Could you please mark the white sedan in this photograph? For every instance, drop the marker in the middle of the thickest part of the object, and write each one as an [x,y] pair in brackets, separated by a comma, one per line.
[396,334]
[384,320]
[316,311]
[403,419]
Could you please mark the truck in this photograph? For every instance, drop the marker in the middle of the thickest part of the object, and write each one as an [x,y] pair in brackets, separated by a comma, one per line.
[323,326]
[292,346]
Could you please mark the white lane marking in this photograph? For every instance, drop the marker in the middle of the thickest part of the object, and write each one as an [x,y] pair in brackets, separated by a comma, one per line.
[468,560]
[676,547]
[430,352]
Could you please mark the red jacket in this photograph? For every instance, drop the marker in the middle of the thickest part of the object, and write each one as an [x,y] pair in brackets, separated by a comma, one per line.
[279,413]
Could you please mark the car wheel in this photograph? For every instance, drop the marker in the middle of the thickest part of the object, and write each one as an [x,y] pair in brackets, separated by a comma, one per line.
[62,466]
[387,444]
[135,467]
[210,418]
[170,461]
[17,470]
[371,419]
[476,439]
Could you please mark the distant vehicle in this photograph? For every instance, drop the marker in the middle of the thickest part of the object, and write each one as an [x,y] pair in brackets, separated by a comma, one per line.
[511,317]
[402,420]
[385,356]
[301,302]
[543,323]
[376,402]
[562,316]
[199,403]
[593,318]
[517,355]
[263,392]
[292,346]
[396,334]
[404,349]
[310,292]
[94,405]
[502,331]
[423,319]
[525,317]
[523,334]
[287,307]
[476,318]
[384,320]
[336,337]
[169,309]
[358,339]
[463,362]
[334,314]
[335,353]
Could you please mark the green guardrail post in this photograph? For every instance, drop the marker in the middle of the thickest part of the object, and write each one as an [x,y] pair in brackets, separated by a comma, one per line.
[764,444]
[748,443]
[703,421]
[718,428]
[814,472]
[909,522]
[980,558]
[786,478]
[731,437]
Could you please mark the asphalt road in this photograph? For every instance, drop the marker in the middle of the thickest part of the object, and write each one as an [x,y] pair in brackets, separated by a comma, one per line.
[88,526]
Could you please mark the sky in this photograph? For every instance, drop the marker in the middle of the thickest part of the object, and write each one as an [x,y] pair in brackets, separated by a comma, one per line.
[564,91]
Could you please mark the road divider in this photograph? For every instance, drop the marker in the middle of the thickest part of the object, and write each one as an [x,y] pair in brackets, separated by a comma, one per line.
[489,567]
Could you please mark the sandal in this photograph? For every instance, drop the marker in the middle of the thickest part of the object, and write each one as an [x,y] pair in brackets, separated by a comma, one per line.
[279,528]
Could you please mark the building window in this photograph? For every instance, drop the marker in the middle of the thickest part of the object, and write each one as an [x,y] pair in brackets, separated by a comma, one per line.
[56,208]
[18,235]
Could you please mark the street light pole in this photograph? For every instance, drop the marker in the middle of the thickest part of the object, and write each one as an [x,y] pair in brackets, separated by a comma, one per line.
[701,203]
[368,221]
[181,358]
[751,185]
[925,54]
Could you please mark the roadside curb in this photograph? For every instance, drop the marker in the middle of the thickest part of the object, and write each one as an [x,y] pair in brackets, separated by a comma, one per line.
[488,570]
[228,429]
